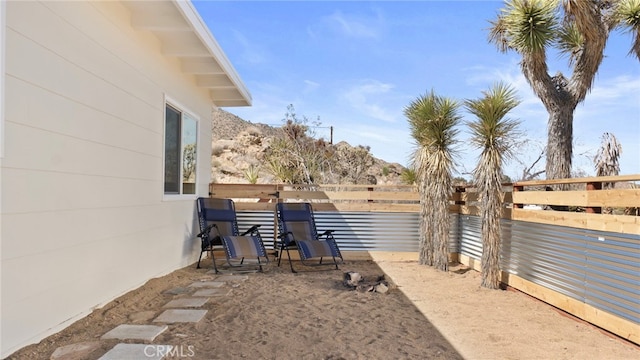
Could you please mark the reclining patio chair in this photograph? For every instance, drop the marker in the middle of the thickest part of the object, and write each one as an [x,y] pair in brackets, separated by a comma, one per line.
[297,229]
[219,230]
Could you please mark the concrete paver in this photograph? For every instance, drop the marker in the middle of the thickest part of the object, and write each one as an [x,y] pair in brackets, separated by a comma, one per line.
[212,292]
[178,291]
[207,284]
[137,352]
[135,332]
[180,315]
[225,278]
[186,302]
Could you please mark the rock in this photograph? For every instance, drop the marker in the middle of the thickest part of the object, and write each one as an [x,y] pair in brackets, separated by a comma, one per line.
[352,279]
[381,288]
[356,281]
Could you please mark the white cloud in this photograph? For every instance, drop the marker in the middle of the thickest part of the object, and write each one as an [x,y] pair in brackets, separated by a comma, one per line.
[619,88]
[310,86]
[354,26]
[251,53]
[365,99]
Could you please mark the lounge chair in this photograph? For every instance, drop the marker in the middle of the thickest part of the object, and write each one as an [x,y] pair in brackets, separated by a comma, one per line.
[297,229]
[219,230]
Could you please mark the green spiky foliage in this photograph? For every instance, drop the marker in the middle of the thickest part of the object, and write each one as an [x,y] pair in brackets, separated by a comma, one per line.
[577,29]
[627,18]
[494,135]
[409,177]
[433,120]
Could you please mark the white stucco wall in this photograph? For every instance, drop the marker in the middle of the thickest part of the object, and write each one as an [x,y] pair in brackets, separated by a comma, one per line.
[82,210]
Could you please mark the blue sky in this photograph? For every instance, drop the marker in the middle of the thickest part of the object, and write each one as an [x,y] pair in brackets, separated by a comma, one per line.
[356,65]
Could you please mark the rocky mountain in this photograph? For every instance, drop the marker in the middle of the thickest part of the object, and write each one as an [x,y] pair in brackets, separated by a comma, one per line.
[239,147]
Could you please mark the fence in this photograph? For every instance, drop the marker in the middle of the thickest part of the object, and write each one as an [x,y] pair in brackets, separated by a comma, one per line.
[577,249]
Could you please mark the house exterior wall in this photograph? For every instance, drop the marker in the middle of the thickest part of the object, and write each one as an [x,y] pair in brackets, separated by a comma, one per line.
[83,215]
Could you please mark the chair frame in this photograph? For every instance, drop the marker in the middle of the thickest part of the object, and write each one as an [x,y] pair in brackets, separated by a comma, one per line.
[287,239]
[211,243]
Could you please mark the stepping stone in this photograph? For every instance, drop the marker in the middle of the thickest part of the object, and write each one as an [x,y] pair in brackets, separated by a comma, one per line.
[187,302]
[232,278]
[233,272]
[77,351]
[178,291]
[207,284]
[136,332]
[211,292]
[180,315]
[137,351]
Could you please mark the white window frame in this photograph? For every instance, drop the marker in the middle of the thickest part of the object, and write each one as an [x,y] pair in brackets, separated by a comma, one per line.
[168,101]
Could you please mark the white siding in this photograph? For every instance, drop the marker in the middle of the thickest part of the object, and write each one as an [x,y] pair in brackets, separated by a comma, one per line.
[83,220]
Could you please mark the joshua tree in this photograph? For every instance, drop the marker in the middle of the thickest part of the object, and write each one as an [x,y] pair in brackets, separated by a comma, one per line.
[576,28]
[432,120]
[494,135]
[607,161]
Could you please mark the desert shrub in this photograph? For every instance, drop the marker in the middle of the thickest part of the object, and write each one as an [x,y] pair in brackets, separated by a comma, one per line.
[252,173]
[352,163]
[295,157]
[408,176]
[217,149]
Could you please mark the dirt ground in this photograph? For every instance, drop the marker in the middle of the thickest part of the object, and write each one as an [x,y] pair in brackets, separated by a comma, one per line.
[426,314]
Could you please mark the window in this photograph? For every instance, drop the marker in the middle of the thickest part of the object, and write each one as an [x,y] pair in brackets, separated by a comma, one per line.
[180,149]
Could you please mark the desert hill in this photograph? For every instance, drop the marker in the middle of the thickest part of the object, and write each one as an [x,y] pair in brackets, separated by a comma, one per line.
[239,147]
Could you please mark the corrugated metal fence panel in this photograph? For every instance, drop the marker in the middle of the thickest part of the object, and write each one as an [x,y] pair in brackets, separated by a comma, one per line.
[613,273]
[371,231]
[265,219]
[548,255]
[470,241]
[454,233]
[599,268]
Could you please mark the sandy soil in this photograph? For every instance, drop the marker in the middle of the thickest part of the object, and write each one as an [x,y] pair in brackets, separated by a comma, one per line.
[427,314]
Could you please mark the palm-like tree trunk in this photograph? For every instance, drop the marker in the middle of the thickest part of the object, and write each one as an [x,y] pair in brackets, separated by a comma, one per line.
[491,231]
[426,242]
[433,120]
[441,220]
[494,135]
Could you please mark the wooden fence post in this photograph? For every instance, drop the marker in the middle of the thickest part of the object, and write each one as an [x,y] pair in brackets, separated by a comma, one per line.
[517,188]
[594,209]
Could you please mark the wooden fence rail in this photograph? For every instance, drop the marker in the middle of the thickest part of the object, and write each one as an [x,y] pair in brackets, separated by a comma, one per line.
[580,206]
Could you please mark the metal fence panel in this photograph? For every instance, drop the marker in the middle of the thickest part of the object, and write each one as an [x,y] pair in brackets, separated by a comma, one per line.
[361,231]
[599,268]
[470,241]
[548,255]
[612,279]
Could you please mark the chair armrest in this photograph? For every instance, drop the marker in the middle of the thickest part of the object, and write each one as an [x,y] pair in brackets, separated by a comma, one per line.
[284,236]
[252,230]
[326,233]
[206,230]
